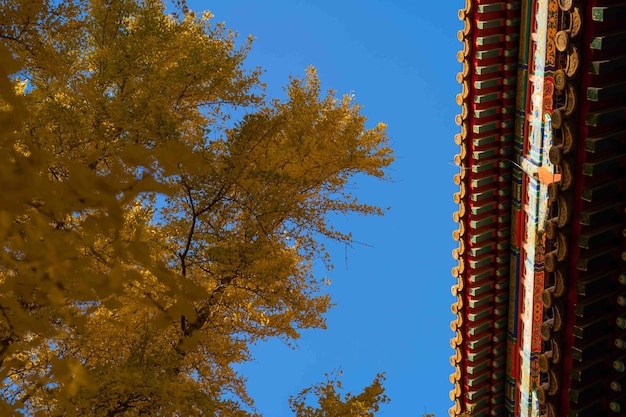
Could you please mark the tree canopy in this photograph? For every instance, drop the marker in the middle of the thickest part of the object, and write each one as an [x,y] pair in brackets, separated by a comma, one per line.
[148,240]
[331,404]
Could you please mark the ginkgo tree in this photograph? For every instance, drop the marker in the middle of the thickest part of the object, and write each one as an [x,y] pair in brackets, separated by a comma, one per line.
[331,404]
[148,241]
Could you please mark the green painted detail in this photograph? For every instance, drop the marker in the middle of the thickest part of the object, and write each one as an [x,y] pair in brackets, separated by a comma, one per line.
[502,259]
[481,182]
[511,52]
[504,205]
[508,123]
[512,22]
[479,263]
[481,315]
[525,35]
[501,323]
[481,237]
[506,139]
[481,250]
[474,278]
[480,405]
[488,153]
[606,66]
[593,217]
[502,298]
[492,53]
[502,285]
[513,5]
[472,395]
[593,194]
[489,24]
[485,208]
[499,363]
[504,178]
[603,166]
[597,13]
[606,92]
[512,37]
[509,80]
[605,143]
[484,98]
[484,166]
[508,110]
[591,286]
[508,94]
[591,240]
[492,111]
[487,69]
[500,350]
[503,246]
[478,380]
[605,116]
[473,331]
[510,67]
[482,301]
[602,14]
[484,364]
[504,192]
[505,152]
[485,141]
[596,43]
[488,8]
[499,337]
[497,399]
[494,82]
[608,41]
[597,260]
[498,375]
[503,271]
[482,195]
[488,40]
[474,344]
[504,218]
[486,127]
[473,356]
[500,311]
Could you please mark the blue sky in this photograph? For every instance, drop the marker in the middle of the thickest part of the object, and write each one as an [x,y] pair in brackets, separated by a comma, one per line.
[393,296]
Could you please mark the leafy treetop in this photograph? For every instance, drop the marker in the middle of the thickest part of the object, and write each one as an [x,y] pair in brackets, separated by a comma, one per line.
[146,245]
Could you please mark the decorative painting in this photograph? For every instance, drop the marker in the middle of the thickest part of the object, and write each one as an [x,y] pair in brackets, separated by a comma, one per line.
[538,141]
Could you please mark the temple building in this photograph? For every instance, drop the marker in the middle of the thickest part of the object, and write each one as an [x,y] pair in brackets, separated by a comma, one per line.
[540,310]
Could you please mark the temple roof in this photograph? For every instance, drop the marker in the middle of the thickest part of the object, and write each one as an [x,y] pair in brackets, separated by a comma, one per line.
[541,228]
[488,78]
